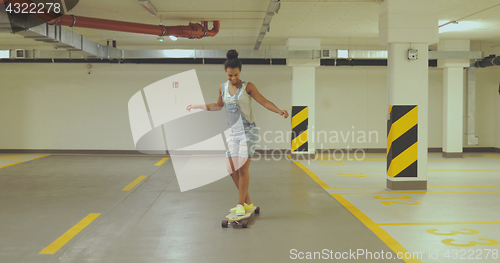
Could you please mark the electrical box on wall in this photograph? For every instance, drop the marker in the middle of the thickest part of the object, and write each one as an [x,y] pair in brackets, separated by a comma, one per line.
[412,54]
[20,53]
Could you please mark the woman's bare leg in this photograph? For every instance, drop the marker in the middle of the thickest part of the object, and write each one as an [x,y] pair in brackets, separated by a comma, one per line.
[235,174]
[231,169]
[244,181]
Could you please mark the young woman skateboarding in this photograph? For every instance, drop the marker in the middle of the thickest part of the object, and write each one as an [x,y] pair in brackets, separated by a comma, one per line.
[237,96]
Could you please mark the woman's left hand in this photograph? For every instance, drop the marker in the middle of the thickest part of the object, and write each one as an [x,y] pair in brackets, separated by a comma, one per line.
[284,113]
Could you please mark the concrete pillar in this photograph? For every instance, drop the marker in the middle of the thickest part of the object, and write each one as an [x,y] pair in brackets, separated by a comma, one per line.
[303,97]
[407,27]
[453,99]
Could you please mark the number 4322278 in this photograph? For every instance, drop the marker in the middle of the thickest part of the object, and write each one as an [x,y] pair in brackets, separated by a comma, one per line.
[33,8]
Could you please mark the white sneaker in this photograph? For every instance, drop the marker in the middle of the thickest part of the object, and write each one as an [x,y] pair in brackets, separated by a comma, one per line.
[240,210]
[246,206]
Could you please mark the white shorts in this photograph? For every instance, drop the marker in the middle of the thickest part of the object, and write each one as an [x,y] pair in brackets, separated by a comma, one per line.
[242,143]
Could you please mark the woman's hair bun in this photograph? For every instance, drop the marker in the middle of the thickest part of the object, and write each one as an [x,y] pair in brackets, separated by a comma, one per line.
[232,54]
[232,60]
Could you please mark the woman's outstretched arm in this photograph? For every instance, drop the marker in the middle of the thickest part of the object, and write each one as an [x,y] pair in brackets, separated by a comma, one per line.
[210,107]
[252,90]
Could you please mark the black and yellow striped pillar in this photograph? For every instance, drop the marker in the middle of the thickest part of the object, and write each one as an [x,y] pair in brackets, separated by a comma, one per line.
[300,137]
[402,141]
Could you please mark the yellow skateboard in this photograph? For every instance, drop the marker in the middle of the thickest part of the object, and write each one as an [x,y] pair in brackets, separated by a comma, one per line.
[233,219]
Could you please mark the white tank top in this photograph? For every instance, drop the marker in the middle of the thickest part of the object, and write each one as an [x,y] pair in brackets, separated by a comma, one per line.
[244,100]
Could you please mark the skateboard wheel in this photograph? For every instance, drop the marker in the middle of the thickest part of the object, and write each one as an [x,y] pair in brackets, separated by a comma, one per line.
[244,224]
[224,223]
[257,210]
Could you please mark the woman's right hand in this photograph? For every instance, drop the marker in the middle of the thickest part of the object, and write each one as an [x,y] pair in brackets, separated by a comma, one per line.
[191,106]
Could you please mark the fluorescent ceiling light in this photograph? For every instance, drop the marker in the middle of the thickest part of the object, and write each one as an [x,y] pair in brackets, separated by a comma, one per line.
[178,53]
[149,7]
[342,53]
[450,26]
[174,38]
[4,53]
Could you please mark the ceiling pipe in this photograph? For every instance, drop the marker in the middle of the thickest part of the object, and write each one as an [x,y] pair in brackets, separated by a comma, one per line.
[273,8]
[191,31]
[492,60]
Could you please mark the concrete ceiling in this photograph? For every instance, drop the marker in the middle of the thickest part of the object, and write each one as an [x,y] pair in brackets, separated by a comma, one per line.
[338,23]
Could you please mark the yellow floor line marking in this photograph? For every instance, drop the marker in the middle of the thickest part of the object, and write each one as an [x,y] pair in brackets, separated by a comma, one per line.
[12,155]
[41,156]
[437,186]
[348,171]
[336,163]
[376,229]
[11,164]
[22,156]
[15,159]
[360,187]
[479,170]
[426,192]
[134,183]
[161,162]
[465,159]
[471,186]
[72,232]
[432,159]
[336,159]
[497,155]
[312,175]
[440,223]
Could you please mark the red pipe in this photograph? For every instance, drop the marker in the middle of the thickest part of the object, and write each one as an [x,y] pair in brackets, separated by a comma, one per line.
[190,31]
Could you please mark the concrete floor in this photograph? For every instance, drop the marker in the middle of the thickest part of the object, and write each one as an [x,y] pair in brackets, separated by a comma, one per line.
[456,220]
[41,199]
